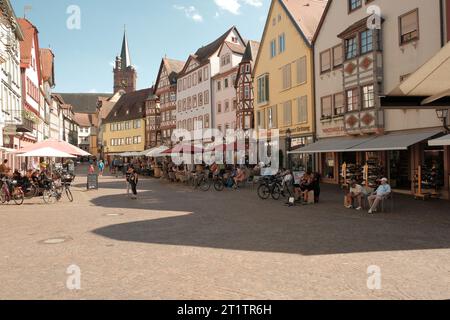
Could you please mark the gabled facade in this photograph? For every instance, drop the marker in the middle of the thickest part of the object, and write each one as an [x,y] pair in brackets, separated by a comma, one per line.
[245,116]
[11,117]
[284,75]
[124,127]
[31,75]
[224,92]
[152,121]
[359,60]
[195,101]
[166,90]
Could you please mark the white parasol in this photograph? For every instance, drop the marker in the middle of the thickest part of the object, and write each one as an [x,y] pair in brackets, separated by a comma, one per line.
[46,152]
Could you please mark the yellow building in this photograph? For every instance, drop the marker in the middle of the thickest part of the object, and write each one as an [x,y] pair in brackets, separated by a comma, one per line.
[284,75]
[124,128]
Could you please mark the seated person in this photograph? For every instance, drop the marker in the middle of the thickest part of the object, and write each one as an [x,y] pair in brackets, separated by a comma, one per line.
[307,185]
[355,194]
[383,191]
[239,177]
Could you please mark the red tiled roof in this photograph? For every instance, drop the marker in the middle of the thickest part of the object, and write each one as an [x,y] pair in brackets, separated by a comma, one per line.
[30,32]
[85,119]
[47,61]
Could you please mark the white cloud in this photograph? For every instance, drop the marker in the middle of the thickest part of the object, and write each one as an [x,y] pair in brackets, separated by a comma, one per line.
[234,6]
[93,91]
[191,12]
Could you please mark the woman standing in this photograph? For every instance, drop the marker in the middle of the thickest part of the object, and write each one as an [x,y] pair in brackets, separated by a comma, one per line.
[132,179]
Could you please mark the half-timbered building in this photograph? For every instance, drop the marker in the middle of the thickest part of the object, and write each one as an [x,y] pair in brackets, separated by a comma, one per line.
[244,88]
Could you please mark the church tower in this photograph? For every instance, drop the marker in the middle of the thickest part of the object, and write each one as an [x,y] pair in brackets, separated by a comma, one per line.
[125,75]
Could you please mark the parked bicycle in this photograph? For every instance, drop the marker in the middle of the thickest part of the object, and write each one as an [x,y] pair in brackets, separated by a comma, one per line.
[11,191]
[202,182]
[270,187]
[221,181]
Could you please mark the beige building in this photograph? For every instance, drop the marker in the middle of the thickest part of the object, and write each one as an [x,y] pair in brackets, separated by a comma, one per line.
[363,51]
[284,75]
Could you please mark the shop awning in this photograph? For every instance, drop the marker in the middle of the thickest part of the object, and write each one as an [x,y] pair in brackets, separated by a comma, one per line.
[444,141]
[396,141]
[431,79]
[341,144]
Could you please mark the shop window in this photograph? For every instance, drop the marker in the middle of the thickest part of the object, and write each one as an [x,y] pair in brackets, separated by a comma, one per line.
[328,166]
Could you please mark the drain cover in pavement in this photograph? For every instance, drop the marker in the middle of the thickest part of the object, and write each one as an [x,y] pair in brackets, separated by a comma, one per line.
[56,240]
[114,214]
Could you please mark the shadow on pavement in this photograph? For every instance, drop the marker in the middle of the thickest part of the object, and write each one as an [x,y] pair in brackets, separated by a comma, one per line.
[240,221]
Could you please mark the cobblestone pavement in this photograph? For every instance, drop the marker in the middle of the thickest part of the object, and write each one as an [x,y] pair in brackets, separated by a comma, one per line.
[177,243]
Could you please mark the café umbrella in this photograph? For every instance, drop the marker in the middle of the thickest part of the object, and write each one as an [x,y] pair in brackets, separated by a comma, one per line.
[47,152]
[59,145]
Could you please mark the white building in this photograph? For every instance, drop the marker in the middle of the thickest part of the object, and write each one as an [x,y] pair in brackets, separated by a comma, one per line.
[195,109]
[224,92]
[363,51]
[11,118]
[32,96]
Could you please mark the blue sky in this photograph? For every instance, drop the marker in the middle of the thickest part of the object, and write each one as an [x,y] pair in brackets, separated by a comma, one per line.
[177,28]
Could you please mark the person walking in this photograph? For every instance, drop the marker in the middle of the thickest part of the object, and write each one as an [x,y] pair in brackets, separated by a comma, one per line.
[383,191]
[132,179]
[101,167]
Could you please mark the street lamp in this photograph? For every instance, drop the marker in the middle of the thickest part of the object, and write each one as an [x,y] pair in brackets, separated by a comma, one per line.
[288,147]
[442,115]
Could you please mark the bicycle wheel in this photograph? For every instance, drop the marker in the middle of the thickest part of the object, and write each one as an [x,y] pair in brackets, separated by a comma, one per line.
[276,192]
[18,197]
[31,192]
[218,185]
[205,185]
[263,192]
[69,195]
[49,197]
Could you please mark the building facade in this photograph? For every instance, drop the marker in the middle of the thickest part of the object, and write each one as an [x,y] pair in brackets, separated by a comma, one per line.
[33,99]
[284,76]
[195,108]
[152,121]
[11,117]
[224,92]
[360,58]
[124,128]
[166,90]
[245,116]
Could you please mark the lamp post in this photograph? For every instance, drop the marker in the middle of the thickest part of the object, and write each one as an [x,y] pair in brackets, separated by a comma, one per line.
[442,115]
[288,147]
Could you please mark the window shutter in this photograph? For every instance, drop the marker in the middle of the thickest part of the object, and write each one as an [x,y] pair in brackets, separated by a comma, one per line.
[409,23]
[302,109]
[287,113]
[301,70]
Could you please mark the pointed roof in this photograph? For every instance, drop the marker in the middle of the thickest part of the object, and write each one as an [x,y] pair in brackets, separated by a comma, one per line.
[130,106]
[125,53]
[30,34]
[47,61]
[306,14]
[205,52]
[251,51]
[173,68]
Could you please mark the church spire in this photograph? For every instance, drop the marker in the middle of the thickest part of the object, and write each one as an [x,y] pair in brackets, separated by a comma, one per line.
[125,53]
